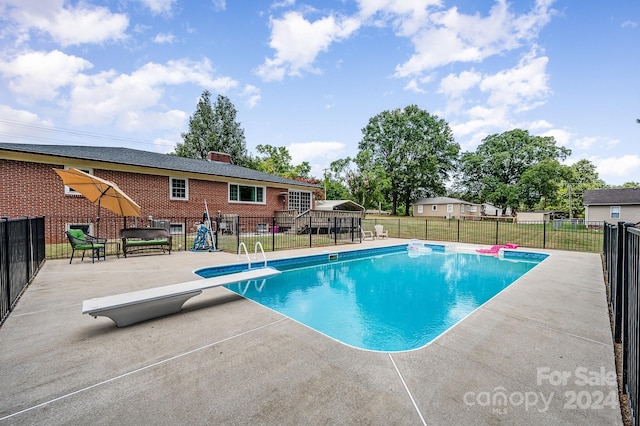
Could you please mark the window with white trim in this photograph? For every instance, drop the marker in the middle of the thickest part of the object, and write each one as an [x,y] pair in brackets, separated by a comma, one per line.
[179,189]
[473,209]
[300,201]
[461,208]
[87,228]
[69,191]
[246,193]
[420,208]
[449,208]
[615,212]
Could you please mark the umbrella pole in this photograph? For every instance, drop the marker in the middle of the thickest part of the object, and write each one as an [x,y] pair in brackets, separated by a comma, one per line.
[98,220]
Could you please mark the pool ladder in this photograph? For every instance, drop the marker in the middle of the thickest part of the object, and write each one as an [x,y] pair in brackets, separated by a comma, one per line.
[243,287]
[255,253]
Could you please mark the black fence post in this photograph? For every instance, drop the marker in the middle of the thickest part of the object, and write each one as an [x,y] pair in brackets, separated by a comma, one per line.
[353,235]
[458,230]
[237,224]
[5,303]
[184,234]
[273,233]
[617,320]
[626,303]
[310,233]
[28,248]
[544,234]
[497,232]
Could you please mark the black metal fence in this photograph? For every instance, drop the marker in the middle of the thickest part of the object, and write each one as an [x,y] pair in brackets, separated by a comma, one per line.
[283,233]
[22,253]
[622,264]
[562,235]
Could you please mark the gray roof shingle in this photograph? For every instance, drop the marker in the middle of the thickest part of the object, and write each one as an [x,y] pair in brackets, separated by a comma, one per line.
[134,157]
[594,197]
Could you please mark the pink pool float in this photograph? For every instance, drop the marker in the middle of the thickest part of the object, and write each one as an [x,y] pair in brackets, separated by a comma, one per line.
[496,249]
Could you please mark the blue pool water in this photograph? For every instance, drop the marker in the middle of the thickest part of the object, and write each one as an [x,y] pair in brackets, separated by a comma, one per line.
[384,300]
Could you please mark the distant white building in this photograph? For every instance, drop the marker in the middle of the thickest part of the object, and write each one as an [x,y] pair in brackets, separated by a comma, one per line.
[445,207]
[491,210]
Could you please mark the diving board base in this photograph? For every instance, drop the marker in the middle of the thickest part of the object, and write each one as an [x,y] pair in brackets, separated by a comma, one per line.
[130,308]
[144,310]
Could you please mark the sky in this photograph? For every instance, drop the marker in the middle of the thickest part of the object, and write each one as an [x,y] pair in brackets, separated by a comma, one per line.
[308,75]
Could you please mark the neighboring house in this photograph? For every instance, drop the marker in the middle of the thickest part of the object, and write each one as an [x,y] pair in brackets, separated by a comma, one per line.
[445,207]
[612,205]
[163,185]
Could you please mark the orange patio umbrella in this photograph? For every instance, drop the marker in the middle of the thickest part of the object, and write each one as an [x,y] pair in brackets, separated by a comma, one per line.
[101,192]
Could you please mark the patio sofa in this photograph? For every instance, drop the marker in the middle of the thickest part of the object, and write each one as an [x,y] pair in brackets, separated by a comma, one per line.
[145,239]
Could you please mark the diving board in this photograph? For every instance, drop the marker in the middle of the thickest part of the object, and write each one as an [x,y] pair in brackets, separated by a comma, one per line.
[129,308]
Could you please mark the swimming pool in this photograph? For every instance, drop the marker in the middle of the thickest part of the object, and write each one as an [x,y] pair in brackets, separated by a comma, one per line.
[386,299]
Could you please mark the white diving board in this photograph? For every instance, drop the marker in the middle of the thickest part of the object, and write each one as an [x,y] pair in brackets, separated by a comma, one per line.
[129,308]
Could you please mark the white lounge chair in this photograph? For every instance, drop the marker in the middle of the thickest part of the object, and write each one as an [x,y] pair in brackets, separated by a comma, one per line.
[380,232]
[367,235]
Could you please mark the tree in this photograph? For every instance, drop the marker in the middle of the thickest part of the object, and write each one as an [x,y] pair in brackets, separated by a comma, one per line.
[214,128]
[277,161]
[492,173]
[410,151]
[577,178]
[346,181]
[539,184]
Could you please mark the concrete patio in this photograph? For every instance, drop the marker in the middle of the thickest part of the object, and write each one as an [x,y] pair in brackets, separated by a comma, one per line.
[540,352]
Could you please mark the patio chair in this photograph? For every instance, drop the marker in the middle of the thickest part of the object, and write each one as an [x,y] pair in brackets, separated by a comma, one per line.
[367,235]
[380,232]
[81,241]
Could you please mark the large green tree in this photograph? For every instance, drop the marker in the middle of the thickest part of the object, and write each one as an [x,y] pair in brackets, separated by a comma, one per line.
[345,180]
[277,161]
[494,172]
[410,150]
[577,178]
[214,128]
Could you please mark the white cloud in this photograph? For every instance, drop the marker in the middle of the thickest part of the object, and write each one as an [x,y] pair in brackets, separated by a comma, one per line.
[132,100]
[449,36]
[17,125]
[408,16]
[413,86]
[540,125]
[159,6]
[252,95]
[523,86]
[219,5]
[136,120]
[563,137]
[283,3]
[40,75]
[164,38]
[454,86]
[298,42]
[629,24]
[67,24]
[616,167]
[318,154]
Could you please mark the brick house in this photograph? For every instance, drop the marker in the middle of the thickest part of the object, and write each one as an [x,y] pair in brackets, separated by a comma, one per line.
[612,205]
[163,185]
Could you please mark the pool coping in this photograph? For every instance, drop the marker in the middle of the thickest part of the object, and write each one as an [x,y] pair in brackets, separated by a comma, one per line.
[227,360]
